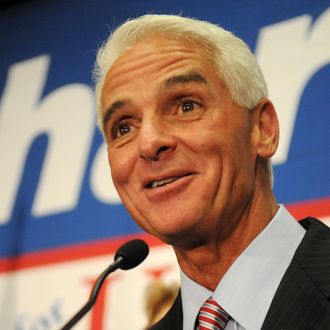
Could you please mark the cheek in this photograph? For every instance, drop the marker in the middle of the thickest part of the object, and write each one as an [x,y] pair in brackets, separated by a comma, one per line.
[120,167]
[226,153]
[209,144]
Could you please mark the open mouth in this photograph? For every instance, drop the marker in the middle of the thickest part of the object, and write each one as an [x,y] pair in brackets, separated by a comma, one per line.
[163,182]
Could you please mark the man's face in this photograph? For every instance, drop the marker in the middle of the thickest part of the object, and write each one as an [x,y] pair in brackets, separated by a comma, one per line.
[181,152]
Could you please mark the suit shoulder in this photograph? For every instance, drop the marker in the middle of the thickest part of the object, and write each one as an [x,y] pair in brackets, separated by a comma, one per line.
[316,239]
[313,253]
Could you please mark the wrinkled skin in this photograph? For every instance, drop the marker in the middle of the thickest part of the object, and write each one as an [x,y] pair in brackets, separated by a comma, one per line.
[185,159]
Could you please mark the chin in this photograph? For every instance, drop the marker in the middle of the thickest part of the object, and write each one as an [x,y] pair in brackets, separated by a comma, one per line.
[178,233]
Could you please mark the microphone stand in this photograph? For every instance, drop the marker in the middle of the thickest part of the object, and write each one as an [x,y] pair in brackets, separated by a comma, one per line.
[94,293]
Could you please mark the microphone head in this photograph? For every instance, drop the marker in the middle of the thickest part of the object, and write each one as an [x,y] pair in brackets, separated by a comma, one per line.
[133,253]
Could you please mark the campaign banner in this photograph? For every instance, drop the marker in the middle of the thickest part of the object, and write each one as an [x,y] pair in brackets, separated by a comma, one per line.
[61,220]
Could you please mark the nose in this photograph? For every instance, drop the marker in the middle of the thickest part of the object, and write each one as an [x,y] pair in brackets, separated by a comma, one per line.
[155,139]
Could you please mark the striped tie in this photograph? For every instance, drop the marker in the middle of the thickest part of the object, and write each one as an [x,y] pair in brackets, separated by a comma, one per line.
[212,316]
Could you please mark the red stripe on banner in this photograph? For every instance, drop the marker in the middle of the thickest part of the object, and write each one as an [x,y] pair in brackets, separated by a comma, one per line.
[316,208]
[75,252]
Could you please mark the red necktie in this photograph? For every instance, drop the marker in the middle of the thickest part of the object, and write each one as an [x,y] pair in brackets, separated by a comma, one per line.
[212,316]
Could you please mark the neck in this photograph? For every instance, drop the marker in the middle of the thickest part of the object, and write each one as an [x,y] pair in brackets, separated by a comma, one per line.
[206,264]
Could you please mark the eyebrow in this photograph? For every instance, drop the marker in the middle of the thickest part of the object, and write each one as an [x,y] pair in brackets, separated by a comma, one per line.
[185,78]
[170,82]
[112,109]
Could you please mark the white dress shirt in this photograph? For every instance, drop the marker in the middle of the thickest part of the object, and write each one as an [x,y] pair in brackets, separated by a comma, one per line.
[248,287]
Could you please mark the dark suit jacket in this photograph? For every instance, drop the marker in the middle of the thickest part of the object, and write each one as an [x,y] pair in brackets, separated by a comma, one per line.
[302,300]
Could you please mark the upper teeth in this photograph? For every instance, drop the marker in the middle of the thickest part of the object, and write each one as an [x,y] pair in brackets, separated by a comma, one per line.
[158,183]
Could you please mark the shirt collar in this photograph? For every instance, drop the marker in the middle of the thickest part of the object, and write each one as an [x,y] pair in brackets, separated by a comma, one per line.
[247,289]
[193,297]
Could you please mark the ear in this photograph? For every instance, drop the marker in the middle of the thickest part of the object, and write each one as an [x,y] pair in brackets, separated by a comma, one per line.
[268,129]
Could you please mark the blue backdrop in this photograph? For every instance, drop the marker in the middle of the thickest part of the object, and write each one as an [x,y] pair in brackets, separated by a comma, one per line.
[68,34]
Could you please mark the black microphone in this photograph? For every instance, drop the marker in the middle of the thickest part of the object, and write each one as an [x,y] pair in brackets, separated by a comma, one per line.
[128,256]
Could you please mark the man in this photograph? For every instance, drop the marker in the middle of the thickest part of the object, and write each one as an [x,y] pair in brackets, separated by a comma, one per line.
[190,132]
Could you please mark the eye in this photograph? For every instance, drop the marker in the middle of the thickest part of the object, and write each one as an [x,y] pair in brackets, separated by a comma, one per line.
[188,106]
[120,129]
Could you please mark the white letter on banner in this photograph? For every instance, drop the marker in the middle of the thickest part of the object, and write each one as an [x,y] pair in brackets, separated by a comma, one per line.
[66,115]
[289,54]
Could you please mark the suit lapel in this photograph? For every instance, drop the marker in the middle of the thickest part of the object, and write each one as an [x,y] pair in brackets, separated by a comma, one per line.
[302,298]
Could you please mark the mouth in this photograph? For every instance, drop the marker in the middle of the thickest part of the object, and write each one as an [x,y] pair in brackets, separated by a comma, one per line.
[163,182]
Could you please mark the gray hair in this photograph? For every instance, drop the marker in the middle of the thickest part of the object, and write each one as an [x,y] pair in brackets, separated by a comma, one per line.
[236,64]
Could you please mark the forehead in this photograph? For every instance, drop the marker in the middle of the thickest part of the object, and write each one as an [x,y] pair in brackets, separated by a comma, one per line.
[156,57]
[158,47]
